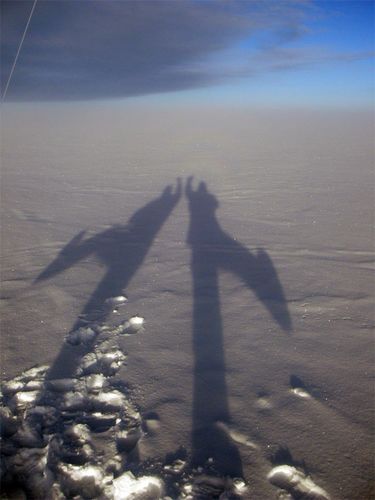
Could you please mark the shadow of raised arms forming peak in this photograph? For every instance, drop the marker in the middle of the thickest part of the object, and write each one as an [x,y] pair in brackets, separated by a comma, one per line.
[213,250]
[122,249]
[256,271]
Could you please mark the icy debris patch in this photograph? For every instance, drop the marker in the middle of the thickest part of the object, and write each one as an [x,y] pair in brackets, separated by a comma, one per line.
[85,481]
[48,449]
[127,487]
[84,335]
[296,482]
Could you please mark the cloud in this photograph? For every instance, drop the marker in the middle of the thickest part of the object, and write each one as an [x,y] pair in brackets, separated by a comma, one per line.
[82,49]
[278,59]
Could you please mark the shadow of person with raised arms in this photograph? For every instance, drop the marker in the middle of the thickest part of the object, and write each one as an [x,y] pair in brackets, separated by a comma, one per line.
[213,250]
[122,249]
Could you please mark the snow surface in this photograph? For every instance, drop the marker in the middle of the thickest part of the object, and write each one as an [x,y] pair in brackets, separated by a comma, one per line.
[289,192]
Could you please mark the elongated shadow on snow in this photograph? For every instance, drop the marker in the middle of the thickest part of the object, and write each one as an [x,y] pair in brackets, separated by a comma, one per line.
[122,249]
[213,250]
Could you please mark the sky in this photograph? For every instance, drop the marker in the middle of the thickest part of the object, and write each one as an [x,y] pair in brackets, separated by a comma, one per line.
[265,53]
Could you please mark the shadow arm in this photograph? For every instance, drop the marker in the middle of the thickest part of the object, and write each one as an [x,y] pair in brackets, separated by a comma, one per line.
[74,251]
[258,273]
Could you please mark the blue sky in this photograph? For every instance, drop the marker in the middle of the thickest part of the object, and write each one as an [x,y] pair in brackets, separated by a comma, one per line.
[266,53]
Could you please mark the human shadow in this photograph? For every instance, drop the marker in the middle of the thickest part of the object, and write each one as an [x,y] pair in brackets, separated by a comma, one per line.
[212,251]
[122,249]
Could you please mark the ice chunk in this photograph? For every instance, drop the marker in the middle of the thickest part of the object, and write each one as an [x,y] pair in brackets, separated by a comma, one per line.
[114,465]
[131,326]
[99,421]
[27,437]
[8,422]
[56,493]
[301,393]
[95,382]
[78,433]
[205,486]
[23,399]
[12,386]
[294,481]
[29,461]
[151,425]
[83,481]
[74,401]
[108,401]
[89,364]
[84,335]
[75,454]
[236,435]
[34,385]
[30,465]
[115,302]
[62,384]
[47,415]
[36,372]
[239,487]
[176,467]
[127,440]
[263,403]
[127,487]
[134,325]
[112,358]
[131,412]
[106,363]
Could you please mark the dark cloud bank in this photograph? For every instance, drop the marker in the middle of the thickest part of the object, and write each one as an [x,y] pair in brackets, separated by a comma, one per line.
[92,49]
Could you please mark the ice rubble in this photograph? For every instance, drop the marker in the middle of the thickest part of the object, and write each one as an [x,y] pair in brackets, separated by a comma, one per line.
[49,429]
[127,487]
[48,426]
[296,482]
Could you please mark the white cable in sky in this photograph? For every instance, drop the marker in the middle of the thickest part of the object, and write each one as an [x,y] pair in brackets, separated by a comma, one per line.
[19,49]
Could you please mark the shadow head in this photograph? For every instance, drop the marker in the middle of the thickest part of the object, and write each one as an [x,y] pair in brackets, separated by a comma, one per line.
[201,196]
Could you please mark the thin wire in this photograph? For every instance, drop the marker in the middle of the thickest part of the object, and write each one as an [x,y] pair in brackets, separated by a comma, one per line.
[19,49]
